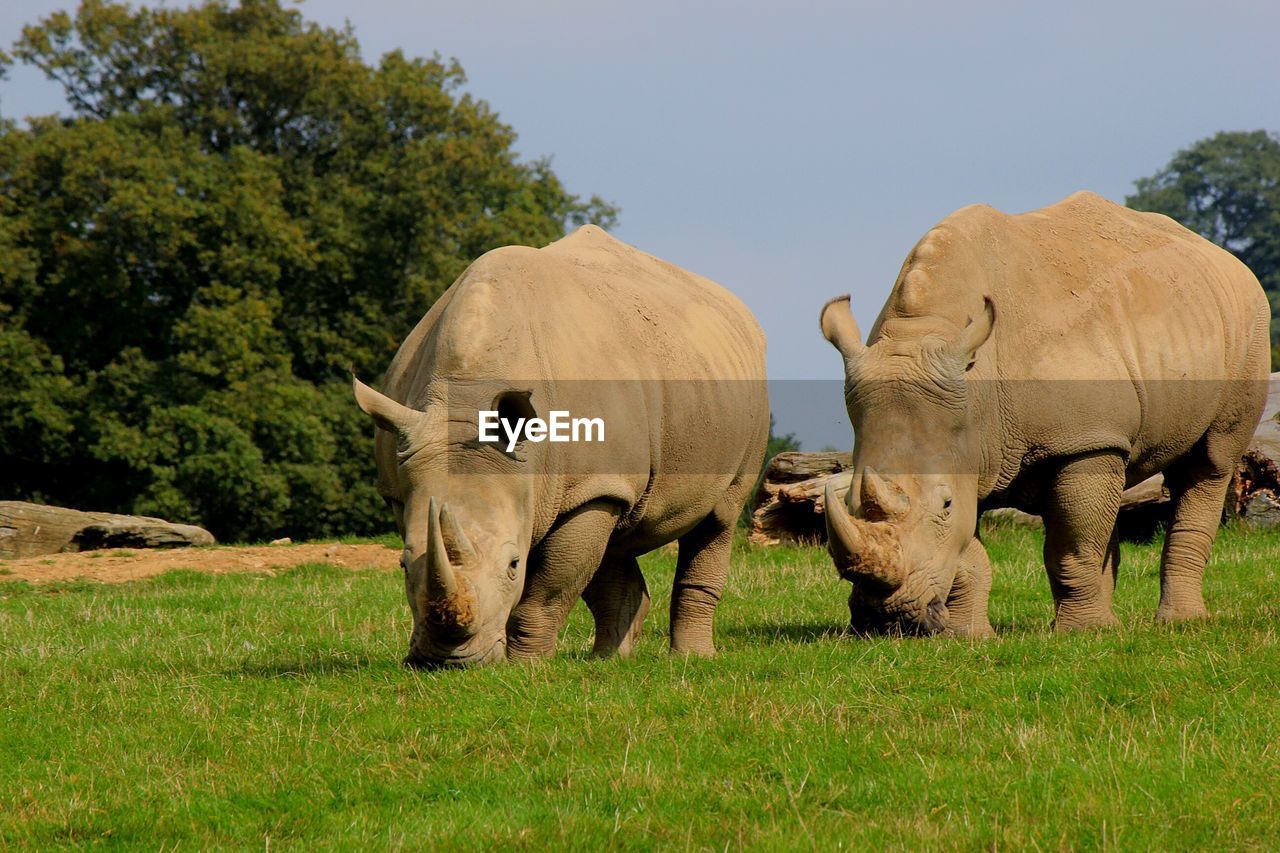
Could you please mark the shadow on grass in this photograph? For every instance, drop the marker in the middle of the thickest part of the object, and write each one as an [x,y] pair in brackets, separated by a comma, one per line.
[333,663]
[789,632]
[814,632]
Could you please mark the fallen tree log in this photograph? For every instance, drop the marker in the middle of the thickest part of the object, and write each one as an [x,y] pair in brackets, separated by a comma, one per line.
[789,505]
[29,530]
[1142,508]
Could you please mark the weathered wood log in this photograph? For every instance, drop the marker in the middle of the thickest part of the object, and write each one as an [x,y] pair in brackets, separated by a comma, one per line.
[1142,508]
[789,510]
[796,467]
[29,530]
[789,507]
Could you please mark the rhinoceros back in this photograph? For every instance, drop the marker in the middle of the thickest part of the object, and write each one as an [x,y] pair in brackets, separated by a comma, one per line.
[672,362]
[1116,329]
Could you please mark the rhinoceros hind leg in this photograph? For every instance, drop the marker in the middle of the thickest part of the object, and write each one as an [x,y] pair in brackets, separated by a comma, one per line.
[559,569]
[619,601]
[1198,495]
[1081,553]
[701,569]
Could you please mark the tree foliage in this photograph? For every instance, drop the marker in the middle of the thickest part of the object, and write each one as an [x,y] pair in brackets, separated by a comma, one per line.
[785,443]
[1227,189]
[237,211]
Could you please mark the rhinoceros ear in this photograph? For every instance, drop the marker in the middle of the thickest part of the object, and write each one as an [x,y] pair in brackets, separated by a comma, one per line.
[976,333]
[386,413]
[839,327]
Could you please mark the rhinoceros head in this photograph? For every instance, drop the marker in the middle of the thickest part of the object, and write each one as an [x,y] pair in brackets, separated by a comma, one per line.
[898,533]
[466,540]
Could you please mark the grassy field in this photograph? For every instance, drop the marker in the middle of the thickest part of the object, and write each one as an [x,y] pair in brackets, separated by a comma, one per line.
[252,711]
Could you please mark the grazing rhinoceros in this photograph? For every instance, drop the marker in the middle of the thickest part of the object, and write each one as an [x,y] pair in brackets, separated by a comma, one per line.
[1125,345]
[502,539]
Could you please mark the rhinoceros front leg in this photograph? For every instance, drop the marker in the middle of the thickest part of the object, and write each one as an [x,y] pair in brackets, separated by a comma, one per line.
[967,603]
[619,601]
[701,569]
[559,569]
[1081,553]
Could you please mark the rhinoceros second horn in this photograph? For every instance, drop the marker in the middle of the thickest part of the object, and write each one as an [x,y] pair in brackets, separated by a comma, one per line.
[456,544]
[881,499]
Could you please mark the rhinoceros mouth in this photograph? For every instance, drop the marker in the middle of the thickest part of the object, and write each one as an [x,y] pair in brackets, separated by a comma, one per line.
[433,658]
[879,618]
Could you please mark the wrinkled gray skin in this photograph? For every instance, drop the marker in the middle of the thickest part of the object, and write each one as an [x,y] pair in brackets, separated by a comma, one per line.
[498,546]
[1044,361]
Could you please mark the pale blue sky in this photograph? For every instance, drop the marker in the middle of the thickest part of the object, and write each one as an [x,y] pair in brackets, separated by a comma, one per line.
[794,151]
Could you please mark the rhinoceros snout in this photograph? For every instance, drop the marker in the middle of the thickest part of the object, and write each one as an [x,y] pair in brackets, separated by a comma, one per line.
[435,657]
[936,617]
[872,618]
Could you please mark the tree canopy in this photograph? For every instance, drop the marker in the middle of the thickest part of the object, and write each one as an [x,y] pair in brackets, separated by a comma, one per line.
[1227,189]
[785,443]
[237,211]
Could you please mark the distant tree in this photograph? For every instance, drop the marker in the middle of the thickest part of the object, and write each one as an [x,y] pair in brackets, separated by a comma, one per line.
[1227,189]
[777,444]
[238,210]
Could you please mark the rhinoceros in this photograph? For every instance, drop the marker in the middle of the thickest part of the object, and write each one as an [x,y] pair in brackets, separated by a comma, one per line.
[1042,361]
[501,539]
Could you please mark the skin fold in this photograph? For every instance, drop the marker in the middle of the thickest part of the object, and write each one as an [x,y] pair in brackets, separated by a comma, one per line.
[1043,361]
[500,544]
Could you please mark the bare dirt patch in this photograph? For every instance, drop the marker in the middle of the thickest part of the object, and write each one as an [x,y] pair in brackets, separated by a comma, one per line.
[121,566]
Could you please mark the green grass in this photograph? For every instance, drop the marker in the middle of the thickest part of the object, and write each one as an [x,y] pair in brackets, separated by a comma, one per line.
[245,710]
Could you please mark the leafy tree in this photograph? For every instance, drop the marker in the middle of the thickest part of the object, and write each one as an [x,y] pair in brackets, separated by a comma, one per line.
[777,444]
[237,211]
[1227,189]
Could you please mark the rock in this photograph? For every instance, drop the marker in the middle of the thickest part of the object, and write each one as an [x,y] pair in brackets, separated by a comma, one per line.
[1259,470]
[283,540]
[29,530]
[1263,511]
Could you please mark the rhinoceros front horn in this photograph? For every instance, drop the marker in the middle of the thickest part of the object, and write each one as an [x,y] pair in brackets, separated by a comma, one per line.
[865,552]
[441,581]
[449,598]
